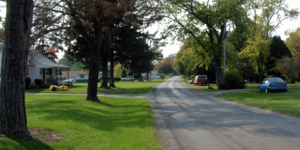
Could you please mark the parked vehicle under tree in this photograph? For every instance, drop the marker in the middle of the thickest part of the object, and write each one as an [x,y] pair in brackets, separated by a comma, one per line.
[200,79]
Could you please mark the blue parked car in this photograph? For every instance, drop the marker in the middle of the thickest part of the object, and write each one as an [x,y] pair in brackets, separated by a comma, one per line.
[270,84]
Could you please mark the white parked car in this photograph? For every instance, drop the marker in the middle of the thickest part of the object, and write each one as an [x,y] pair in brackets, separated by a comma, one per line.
[128,78]
[68,81]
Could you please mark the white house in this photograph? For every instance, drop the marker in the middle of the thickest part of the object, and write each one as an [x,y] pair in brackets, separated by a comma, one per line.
[153,74]
[40,67]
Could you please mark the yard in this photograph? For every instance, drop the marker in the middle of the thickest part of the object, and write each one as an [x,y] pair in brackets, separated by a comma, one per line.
[282,102]
[119,123]
[126,87]
[213,87]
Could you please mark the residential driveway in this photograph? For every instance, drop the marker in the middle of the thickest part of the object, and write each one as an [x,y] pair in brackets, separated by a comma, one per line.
[187,119]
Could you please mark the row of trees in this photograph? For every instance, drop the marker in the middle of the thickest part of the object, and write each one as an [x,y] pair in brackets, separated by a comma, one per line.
[94,32]
[98,32]
[251,48]
[165,65]
[112,30]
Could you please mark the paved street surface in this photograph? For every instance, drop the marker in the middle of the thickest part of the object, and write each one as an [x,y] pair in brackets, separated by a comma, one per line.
[187,119]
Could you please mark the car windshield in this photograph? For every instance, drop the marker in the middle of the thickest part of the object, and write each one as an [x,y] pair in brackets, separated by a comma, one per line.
[201,77]
[276,80]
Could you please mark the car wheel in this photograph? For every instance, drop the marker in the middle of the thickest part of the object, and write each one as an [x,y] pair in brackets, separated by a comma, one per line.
[267,91]
[258,89]
[131,80]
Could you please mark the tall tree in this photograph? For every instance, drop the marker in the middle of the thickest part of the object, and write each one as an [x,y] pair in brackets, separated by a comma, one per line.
[293,43]
[257,51]
[86,20]
[166,66]
[288,66]
[205,24]
[13,72]
[278,49]
[263,26]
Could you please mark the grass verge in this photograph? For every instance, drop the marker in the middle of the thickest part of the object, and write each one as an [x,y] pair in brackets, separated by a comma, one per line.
[282,102]
[125,87]
[255,85]
[119,123]
[214,87]
[201,88]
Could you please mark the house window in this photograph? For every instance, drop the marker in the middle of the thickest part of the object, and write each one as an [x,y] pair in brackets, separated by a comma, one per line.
[81,76]
[50,71]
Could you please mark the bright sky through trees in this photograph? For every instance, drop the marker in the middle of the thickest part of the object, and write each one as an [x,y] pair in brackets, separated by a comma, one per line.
[174,48]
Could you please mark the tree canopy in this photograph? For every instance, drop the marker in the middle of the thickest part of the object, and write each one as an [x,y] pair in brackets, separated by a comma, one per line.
[293,43]
[204,25]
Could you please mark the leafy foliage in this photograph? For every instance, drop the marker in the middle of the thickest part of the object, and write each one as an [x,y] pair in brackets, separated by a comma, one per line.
[203,24]
[293,43]
[288,66]
[278,49]
[232,80]
[162,75]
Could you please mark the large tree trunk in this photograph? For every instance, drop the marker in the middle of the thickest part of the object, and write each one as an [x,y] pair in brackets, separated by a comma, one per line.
[13,72]
[93,77]
[218,71]
[259,73]
[94,65]
[104,73]
[112,64]
[140,77]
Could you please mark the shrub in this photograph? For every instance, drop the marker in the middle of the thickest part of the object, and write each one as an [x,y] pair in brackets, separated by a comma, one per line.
[27,82]
[38,82]
[192,77]
[108,79]
[162,75]
[63,88]
[52,88]
[232,80]
[117,78]
[293,80]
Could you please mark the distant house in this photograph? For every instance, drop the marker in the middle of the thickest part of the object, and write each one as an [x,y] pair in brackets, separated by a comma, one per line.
[40,67]
[153,74]
[78,76]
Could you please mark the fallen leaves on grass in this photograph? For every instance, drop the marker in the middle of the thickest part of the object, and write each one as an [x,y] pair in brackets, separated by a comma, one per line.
[44,135]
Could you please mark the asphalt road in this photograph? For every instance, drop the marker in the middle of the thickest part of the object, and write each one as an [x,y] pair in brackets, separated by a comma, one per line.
[189,120]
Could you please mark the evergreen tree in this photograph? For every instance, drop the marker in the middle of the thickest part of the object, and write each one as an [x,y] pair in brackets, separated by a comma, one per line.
[278,50]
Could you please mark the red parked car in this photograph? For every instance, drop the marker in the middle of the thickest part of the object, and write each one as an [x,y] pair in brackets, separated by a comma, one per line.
[200,79]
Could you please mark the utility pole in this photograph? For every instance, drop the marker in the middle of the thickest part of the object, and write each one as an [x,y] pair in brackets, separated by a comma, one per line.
[224,51]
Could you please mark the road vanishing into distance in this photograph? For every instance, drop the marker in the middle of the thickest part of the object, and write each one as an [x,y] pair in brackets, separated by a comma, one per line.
[188,120]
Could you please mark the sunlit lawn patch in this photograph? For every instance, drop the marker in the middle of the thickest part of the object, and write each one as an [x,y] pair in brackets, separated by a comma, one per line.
[283,102]
[120,123]
[126,87]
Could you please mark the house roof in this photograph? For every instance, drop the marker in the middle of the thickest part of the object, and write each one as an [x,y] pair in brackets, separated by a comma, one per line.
[35,57]
[73,73]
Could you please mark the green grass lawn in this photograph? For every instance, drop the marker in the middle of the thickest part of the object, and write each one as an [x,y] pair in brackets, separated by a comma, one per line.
[126,87]
[255,85]
[283,102]
[213,87]
[120,123]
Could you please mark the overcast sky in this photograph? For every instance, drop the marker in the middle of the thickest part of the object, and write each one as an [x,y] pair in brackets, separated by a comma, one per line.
[174,48]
